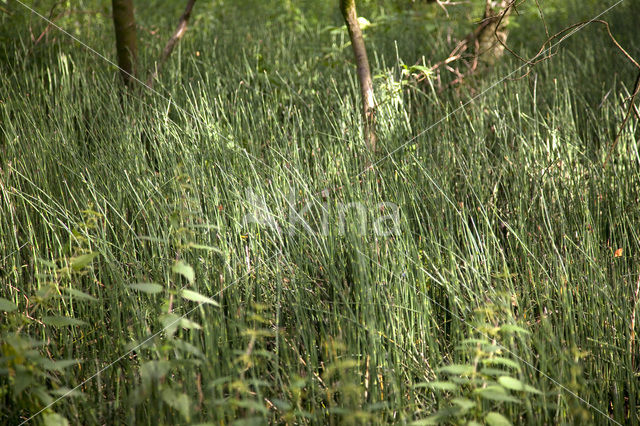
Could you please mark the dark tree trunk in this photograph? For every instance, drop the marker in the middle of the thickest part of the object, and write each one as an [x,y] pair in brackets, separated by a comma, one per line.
[126,41]
[348,9]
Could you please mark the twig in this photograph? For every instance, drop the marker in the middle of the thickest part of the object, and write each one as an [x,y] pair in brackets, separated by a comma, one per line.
[173,41]
[627,116]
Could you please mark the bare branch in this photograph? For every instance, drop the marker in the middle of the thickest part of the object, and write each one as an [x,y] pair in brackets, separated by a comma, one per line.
[181,29]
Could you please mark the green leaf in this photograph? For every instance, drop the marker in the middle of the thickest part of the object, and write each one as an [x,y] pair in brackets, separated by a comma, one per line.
[61,321]
[496,419]
[459,369]
[77,294]
[80,262]
[46,262]
[444,386]
[511,328]
[171,322]
[7,305]
[494,372]
[496,393]
[281,404]
[185,270]
[516,385]
[464,403]
[197,297]
[431,420]
[188,348]
[502,361]
[66,392]
[54,419]
[149,288]
[511,383]
[151,370]
[202,247]
[179,402]
[49,364]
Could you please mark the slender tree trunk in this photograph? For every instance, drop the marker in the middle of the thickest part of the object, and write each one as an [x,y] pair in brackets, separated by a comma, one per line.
[173,41]
[348,9]
[126,41]
[493,32]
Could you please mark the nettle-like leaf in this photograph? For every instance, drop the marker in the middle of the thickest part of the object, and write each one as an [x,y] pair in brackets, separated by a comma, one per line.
[79,295]
[172,322]
[179,401]
[457,369]
[7,305]
[62,321]
[516,385]
[184,269]
[197,297]
[496,419]
[154,370]
[149,288]
[80,262]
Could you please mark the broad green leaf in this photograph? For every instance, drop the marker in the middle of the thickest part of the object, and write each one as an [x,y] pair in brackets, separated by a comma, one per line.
[80,262]
[197,297]
[502,361]
[171,322]
[496,393]
[281,404]
[66,392]
[185,270]
[151,370]
[459,369]
[516,385]
[7,305]
[54,419]
[474,342]
[149,288]
[77,294]
[203,247]
[179,402]
[431,420]
[49,364]
[511,383]
[494,372]
[512,328]
[22,380]
[496,419]
[464,403]
[445,386]
[188,348]
[46,262]
[61,321]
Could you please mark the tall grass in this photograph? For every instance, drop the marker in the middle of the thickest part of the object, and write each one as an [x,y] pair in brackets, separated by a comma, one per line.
[507,218]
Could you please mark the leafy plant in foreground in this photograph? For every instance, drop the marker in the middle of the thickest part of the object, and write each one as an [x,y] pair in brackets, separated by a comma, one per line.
[476,391]
[30,381]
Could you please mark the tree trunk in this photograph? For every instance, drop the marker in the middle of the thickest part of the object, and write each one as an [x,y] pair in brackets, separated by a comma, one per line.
[348,9]
[493,32]
[126,41]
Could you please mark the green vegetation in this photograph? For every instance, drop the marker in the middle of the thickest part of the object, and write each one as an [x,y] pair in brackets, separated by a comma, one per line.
[508,294]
